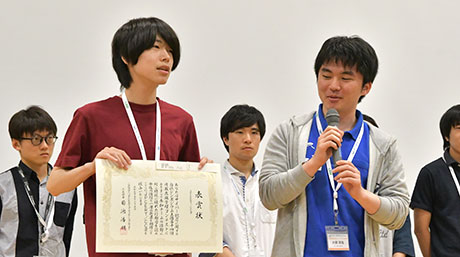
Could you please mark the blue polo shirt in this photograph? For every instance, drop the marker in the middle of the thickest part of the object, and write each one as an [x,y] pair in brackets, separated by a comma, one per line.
[320,200]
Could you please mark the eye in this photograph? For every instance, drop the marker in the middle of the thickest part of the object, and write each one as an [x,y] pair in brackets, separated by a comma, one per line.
[36,140]
[326,76]
[346,78]
[50,139]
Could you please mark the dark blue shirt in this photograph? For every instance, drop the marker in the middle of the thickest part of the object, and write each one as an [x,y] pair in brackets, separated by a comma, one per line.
[319,195]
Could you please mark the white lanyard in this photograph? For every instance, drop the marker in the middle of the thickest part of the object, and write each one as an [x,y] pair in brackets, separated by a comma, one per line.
[49,204]
[354,149]
[452,173]
[246,211]
[132,120]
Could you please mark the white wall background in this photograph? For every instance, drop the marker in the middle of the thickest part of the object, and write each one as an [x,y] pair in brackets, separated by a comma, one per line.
[57,54]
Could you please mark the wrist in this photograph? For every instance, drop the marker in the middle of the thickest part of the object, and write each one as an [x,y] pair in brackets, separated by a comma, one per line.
[90,167]
[311,166]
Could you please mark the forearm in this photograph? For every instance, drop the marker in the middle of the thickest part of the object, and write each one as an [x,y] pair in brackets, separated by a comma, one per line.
[62,180]
[369,201]
[424,239]
[312,166]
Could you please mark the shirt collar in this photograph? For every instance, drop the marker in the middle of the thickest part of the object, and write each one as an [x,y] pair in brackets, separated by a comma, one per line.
[449,160]
[29,173]
[230,169]
[354,132]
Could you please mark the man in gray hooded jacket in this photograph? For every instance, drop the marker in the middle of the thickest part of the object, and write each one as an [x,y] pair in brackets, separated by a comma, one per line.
[325,208]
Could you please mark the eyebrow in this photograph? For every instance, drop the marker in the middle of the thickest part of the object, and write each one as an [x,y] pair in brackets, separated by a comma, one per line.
[346,72]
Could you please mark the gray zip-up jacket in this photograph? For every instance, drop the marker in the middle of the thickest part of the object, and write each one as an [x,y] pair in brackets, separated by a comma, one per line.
[283,181]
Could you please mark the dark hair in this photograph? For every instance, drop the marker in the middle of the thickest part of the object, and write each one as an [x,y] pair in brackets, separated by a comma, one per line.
[350,51]
[136,36]
[449,119]
[29,120]
[370,120]
[241,116]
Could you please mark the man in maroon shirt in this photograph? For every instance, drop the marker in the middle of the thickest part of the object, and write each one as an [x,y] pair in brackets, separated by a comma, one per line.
[135,125]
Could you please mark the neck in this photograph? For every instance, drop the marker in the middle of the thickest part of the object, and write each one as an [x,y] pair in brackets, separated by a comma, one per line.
[347,119]
[40,170]
[140,94]
[244,166]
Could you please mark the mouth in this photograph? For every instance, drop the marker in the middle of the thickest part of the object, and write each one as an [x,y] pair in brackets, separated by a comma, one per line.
[334,98]
[247,148]
[164,69]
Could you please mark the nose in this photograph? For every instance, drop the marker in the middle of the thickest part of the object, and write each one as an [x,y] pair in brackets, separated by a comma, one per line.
[165,55]
[335,84]
[247,138]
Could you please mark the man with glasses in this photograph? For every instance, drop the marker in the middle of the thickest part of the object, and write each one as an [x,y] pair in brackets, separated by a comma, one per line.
[32,221]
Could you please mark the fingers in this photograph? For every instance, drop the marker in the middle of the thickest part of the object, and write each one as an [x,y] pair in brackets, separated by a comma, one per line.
[332,136]
[347,173]
[119,157]
[330,139]
[203,162]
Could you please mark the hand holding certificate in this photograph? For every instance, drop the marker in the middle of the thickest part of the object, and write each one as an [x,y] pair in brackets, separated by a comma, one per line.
[158,206]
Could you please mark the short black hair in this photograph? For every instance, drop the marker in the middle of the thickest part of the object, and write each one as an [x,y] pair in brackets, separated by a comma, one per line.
[350,51]
[29,120]
[241,116]
[449,119]
[136,36]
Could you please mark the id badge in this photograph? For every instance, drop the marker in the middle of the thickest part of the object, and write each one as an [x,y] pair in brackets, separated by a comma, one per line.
[337,238]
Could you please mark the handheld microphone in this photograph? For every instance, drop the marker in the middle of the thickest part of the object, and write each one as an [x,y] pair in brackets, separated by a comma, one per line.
[333,118]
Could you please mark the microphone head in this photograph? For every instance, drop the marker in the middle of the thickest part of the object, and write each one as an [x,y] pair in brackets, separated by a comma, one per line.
[332,117]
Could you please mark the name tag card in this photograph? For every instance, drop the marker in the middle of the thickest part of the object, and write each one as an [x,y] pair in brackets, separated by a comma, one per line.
[337,238]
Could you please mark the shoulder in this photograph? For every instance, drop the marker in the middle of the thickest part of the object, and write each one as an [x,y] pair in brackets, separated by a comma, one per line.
[381,139]
[301,120]
[105,105]
[433,167]
[7,172]
[296,122]
[174,111]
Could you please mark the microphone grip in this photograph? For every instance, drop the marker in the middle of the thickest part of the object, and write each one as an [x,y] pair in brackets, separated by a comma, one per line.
[336,155]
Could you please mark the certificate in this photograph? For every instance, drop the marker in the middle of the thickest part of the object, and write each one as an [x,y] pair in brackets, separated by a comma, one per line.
[158,206]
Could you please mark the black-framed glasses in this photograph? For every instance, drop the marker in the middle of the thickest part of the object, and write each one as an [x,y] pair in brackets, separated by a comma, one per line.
[37,139]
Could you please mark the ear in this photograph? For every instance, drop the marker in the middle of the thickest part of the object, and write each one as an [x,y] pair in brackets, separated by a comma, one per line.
[124,60]
[446,138]
[225,140]
[16,144]
[366,88]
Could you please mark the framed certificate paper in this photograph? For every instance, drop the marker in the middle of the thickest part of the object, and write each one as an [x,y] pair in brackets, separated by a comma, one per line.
[158,206]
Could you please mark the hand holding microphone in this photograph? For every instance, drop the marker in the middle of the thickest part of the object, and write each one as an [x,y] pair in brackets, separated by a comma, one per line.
[333,119]
[328,140]
[348,174]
